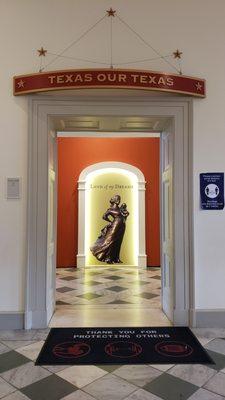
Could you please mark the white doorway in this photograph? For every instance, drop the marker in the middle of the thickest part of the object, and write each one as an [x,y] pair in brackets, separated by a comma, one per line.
[174,255]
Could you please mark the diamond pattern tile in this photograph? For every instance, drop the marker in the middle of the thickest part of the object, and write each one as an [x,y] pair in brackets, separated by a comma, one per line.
[146,295]
[88,285]
[113,277]
[117,288]
[25,375]
[81,375]
[219,360]
[16,396]
[115,269]
[109,367]
[79,395]
[217,384]
[196,374]
[93,283]
[216,345]
[139,375]
[71,269]
[141,394]
[11,360]
[17,334]
[32,350]
[64,289]
[3,348]
[120,302]
[15,344]
[94,273]
[170,388]
[203,394]
[51,388]
[5,388]
[89,296]
[110,387]
[130,273]
[67,278]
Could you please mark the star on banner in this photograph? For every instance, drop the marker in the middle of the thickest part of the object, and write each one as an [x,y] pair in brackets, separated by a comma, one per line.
[111,12]
[177,54]
[42,52]
[20,84]
[198,86]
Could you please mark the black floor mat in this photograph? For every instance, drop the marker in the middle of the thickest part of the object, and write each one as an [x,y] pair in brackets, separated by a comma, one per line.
[163,345]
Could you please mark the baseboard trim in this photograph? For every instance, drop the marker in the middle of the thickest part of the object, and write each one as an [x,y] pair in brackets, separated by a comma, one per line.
[200,319]
[142,260]
[210,318]
[180,317]
[11,320]
[80,260]
[39,319]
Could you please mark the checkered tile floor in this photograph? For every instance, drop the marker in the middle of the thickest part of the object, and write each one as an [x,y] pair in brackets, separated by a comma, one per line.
[21,380]
[107,286]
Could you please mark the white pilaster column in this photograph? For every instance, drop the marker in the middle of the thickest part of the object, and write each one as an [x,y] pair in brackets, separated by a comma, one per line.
[81,224]
[142,257]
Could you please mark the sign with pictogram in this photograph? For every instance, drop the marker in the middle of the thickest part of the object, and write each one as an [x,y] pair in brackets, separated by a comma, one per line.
[212,190]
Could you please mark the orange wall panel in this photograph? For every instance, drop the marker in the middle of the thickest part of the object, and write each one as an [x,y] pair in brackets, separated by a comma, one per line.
[75,154]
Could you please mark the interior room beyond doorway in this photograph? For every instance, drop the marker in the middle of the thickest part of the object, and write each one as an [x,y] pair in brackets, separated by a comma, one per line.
[108,297]
[77,153]
[130,295]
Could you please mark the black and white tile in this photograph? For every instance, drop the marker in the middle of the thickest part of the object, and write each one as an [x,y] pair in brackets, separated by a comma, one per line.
[20,379]
[107,285]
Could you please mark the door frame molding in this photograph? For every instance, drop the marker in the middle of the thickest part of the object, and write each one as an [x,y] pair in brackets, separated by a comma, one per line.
[42,111]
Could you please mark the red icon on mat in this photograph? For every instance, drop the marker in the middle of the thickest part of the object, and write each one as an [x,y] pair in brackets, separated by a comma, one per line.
[71,350]
[123,349]
[174,349]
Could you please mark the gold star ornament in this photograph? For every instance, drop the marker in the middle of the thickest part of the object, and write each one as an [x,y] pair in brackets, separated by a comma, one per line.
[177,54]
[111,12]
[20,84]
[198,86]
[42,52]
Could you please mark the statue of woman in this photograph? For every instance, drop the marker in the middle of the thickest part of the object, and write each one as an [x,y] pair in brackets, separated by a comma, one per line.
[107,246]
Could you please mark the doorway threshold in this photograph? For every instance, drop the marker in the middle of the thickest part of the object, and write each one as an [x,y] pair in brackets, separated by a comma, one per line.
[114,317]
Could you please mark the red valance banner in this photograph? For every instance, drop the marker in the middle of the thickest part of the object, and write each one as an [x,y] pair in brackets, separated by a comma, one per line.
[108,78]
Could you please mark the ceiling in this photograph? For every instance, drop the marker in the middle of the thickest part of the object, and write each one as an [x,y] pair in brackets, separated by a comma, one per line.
[110,124]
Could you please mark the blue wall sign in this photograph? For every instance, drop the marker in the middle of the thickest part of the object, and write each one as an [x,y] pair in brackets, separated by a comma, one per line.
[212,191]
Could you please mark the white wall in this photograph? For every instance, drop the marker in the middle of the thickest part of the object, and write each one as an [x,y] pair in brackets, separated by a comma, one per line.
[194,26]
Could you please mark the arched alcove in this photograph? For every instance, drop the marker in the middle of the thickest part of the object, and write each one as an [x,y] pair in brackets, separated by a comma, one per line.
[96,185]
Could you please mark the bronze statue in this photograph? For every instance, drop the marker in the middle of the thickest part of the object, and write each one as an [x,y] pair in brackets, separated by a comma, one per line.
[107,246]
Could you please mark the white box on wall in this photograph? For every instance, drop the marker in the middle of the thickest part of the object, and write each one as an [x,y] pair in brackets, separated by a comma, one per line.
[13,188]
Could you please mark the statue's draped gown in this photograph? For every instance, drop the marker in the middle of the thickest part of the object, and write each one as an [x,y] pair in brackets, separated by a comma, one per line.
[107,246]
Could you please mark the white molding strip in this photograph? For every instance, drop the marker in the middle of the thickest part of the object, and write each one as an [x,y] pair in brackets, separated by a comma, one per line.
[209,318]
[119,134]
[11,320]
